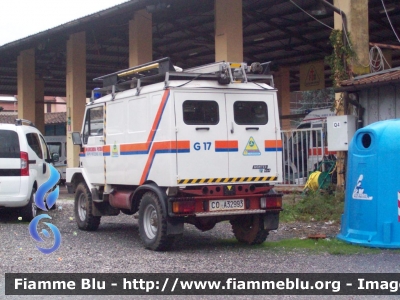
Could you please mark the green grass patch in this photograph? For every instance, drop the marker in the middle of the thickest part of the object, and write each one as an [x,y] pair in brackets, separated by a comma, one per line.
[330,246]
[316,206]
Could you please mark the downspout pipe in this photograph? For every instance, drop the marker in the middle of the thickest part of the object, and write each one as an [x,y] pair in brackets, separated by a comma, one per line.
[339,11]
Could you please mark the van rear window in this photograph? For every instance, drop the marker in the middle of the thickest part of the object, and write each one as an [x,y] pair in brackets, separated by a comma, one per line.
[200,112]
[9,144]
[250,112]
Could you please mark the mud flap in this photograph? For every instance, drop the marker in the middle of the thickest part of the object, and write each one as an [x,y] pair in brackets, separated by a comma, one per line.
[175,226]
[271,220]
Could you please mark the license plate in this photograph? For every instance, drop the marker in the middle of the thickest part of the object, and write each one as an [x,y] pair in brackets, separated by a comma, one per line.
[234,204]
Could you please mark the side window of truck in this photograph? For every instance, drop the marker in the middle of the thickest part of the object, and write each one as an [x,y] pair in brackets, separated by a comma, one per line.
[93,123]
[54,147]
[250,112]
[200,112]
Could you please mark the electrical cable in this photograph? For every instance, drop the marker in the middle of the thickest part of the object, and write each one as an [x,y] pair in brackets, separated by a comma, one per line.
[377,59]
[390,22]
[326,25]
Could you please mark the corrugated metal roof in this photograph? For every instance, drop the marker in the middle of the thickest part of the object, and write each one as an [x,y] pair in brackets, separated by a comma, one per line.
[70,24]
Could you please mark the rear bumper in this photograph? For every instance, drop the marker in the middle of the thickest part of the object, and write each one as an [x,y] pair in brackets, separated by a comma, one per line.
[19,197]
[14,201]
[200,205]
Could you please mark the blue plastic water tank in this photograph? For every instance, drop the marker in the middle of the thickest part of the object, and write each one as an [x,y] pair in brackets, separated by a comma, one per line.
[372,206]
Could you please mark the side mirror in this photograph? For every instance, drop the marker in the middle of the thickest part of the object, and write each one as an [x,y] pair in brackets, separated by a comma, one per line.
[76,138]
[55,157]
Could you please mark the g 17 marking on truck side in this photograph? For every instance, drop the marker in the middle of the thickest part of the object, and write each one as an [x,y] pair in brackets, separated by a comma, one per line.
[202,146]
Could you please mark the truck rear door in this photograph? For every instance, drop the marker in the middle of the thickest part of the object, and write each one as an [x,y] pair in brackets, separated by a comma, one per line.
[200,119]
[252,126]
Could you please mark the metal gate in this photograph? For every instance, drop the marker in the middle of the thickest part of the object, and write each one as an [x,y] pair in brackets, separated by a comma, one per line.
[303,150]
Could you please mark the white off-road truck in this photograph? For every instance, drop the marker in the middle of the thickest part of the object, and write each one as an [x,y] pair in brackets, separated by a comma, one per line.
[199,146]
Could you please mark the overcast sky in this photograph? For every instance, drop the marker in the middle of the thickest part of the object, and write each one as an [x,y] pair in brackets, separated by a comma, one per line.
[21,18]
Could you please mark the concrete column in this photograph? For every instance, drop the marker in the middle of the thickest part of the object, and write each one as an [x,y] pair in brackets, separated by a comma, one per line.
[357,24]
[140,38]
[228,30]
[26,84]
[76,91]
[282,83]
[39,107]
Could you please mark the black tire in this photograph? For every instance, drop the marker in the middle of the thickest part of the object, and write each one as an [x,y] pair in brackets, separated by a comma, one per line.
[153,224]
[249,229]
[29,211]
[83,209]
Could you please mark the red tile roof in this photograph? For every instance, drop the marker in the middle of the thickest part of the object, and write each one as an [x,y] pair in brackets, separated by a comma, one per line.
[378,78]
[50,118]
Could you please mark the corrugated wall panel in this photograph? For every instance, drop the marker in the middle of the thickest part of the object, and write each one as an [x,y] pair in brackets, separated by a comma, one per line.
[387,101]
[381,103]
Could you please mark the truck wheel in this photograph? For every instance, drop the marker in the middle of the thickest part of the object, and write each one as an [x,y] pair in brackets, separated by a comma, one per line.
[83,209]
[153,224]
[29,211]
[249,229]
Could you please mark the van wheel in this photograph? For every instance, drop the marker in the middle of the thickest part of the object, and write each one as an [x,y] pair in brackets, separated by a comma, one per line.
[249,229]
[29,211]
[153,224]
[83,209]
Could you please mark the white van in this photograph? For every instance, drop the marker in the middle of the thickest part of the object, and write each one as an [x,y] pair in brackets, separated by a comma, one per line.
[23,166]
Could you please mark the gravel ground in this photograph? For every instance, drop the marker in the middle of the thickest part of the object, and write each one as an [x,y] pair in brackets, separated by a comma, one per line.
[116,248]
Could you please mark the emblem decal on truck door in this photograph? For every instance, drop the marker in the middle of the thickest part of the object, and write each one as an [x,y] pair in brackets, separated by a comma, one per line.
[114,151]
[251,148]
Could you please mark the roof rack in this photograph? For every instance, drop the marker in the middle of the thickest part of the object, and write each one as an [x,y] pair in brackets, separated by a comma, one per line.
[157,67]
[19,122]
[163,70]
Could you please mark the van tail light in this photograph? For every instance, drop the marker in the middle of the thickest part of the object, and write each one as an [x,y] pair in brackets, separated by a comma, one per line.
[24,164]
[271,202]
[183,207]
